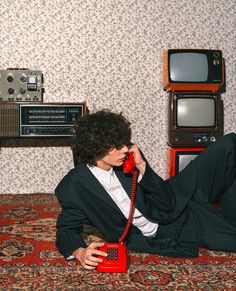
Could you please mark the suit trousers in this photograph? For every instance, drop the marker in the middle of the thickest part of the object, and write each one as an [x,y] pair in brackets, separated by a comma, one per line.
[201,221]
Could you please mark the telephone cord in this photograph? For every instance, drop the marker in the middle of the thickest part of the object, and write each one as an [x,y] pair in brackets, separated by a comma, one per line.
[131,210]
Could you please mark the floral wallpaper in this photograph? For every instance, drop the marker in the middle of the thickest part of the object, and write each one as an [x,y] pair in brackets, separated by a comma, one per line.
[109,54]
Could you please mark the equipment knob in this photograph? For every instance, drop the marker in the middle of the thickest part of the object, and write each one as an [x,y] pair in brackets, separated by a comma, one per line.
[22,90]
[9,78]
[23,78]
[213,139]
[216,62]
[11,91]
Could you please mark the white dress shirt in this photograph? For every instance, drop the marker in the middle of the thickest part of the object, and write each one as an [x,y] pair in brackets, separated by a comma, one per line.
[112,185]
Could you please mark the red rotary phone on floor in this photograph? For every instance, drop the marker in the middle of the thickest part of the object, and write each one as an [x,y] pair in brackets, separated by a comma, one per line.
[117,260]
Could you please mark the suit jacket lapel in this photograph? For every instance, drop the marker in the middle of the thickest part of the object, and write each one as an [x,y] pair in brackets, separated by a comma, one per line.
[91,184]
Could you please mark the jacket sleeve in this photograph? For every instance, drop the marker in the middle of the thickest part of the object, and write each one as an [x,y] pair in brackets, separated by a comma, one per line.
[158,192]
[70,221]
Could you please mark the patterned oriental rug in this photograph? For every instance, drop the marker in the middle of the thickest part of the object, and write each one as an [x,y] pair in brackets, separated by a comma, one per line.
[29,259]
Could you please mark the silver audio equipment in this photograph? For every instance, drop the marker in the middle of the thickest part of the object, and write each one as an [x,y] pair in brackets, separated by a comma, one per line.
[20,85]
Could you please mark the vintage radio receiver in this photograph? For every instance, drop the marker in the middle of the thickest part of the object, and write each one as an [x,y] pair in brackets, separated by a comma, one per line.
[18,85]
[39,120]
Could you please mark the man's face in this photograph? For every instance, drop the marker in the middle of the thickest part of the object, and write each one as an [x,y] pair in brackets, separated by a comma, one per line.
[115,157]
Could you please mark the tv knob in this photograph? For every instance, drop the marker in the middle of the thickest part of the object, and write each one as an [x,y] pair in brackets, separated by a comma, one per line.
[216,55]
[216,62]
[212,139]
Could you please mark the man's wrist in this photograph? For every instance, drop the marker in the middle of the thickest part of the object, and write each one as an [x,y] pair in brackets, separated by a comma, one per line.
[141,167]
[77,251]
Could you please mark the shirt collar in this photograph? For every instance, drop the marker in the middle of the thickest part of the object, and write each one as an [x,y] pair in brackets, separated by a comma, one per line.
[103,176]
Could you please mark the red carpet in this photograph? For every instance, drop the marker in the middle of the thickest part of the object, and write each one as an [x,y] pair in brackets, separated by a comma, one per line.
[30,261]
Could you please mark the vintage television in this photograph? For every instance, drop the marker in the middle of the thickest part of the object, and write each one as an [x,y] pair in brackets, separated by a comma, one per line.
[195,119]
[180,157]
[193,70]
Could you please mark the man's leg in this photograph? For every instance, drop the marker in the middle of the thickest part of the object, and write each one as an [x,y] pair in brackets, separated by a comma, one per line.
[207,179]
[216,181]
[214,232]
[216,174]
[228,204]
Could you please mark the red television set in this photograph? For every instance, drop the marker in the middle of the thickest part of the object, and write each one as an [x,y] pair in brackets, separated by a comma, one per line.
[180,157]
[194,118]
[193,70]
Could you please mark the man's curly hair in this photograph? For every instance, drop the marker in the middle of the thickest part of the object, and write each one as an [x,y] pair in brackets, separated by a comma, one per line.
[95,134]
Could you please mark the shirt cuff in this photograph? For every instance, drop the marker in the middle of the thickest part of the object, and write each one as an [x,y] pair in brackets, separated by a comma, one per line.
[71,257]
[140,176]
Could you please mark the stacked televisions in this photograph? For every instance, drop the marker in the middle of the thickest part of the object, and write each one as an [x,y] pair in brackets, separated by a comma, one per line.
[194,80]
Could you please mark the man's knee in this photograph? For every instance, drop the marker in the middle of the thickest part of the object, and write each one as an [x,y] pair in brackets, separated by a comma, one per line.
[229,139]
[225,143]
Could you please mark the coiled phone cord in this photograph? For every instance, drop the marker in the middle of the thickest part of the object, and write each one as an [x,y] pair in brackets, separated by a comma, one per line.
[131,210]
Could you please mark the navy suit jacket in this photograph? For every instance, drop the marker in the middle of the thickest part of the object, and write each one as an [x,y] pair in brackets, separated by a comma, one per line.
[85,201]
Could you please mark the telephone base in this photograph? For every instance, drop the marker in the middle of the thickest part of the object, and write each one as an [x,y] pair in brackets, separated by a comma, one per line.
[117,260]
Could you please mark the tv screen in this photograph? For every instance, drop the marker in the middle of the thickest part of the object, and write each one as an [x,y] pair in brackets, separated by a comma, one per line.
[195,112]
[188,67]
[180,157]
[184,160]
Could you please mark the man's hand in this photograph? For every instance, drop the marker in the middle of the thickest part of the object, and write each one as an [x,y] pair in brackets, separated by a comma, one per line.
[88,256]
[139,162]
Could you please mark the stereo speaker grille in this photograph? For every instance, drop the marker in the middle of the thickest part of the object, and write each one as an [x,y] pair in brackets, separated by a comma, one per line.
[9,120]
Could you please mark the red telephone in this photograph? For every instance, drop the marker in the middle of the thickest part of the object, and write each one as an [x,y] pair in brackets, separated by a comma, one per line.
[129,164]
[117,260]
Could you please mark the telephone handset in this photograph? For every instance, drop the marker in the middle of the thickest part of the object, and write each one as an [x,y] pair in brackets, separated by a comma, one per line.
[117,260]
[129,164]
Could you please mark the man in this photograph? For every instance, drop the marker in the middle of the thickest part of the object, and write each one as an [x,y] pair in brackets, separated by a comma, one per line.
[172,218]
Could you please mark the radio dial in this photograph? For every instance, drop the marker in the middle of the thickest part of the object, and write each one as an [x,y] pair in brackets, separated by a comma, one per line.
[23,78]
[22,90]
[10,78]
[11,91]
